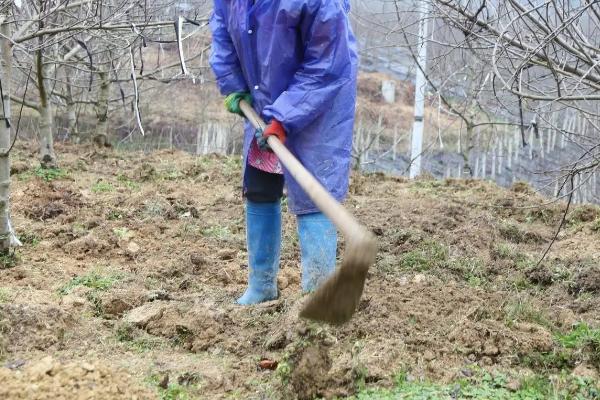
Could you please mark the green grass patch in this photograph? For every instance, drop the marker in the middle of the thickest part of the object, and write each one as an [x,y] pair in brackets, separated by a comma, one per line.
[522,309]
[102,187]
[217,232]
[583,214]
[173,391]
[470,269]
[544,215]
[50,174]
[122,233]
[504,251]
[128,183]
[511,232]
[93,280]
[114,215]
[584,340]
[427,255]
[29,238]
[579,345]
[489,387]
[9,259]
[171,173]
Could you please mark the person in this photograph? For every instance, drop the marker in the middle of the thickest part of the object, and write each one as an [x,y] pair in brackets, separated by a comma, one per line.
[295,61]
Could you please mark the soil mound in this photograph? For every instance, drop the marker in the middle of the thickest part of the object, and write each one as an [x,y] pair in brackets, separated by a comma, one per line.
[50,379]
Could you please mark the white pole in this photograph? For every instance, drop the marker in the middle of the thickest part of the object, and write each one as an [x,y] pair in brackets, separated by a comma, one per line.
[420,89]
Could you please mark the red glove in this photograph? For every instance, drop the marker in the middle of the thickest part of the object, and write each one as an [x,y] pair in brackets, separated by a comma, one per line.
[275,128]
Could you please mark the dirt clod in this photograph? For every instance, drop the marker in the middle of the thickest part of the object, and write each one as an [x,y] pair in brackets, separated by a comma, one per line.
[310,374]
[587,280]
[27,326]
[143,314]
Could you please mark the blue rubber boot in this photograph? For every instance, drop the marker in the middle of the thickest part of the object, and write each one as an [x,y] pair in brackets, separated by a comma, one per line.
[318,245]
[263,238]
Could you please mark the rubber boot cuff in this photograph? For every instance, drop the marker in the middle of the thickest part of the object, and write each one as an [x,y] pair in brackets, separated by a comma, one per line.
[318,245]
[263,238]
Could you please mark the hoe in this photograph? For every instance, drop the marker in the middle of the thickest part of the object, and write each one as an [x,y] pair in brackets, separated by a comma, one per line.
[336,300]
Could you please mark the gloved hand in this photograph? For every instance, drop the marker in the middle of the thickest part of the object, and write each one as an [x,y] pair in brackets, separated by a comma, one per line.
[232,102]
[275,128]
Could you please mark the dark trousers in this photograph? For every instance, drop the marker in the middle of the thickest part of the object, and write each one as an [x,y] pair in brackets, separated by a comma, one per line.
[261,186]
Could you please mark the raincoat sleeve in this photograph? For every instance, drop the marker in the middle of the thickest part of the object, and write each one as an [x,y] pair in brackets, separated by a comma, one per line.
[327,66]
[223,59]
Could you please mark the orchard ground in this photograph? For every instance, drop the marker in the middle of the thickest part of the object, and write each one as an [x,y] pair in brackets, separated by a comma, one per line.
[131,264]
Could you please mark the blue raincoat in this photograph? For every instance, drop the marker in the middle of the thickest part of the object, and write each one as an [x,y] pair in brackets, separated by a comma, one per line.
[298,59]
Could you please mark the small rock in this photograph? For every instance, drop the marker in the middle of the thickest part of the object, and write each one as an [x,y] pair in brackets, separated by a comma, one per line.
[88,367]
[158,295]
[419,278]
[142,315]
[268,364]
[133,248]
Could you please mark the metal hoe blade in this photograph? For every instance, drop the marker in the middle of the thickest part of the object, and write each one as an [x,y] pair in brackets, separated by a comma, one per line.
[337,299]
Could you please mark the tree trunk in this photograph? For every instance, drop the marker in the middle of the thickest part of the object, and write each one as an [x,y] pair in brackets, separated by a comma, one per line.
[47,155]
[8,238]
[101,137]
[71,114]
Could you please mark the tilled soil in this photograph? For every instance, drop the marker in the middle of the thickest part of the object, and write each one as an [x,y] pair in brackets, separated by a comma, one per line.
[134,261]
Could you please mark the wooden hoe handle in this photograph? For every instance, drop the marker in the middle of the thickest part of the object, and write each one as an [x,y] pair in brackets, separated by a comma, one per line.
[342,219]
